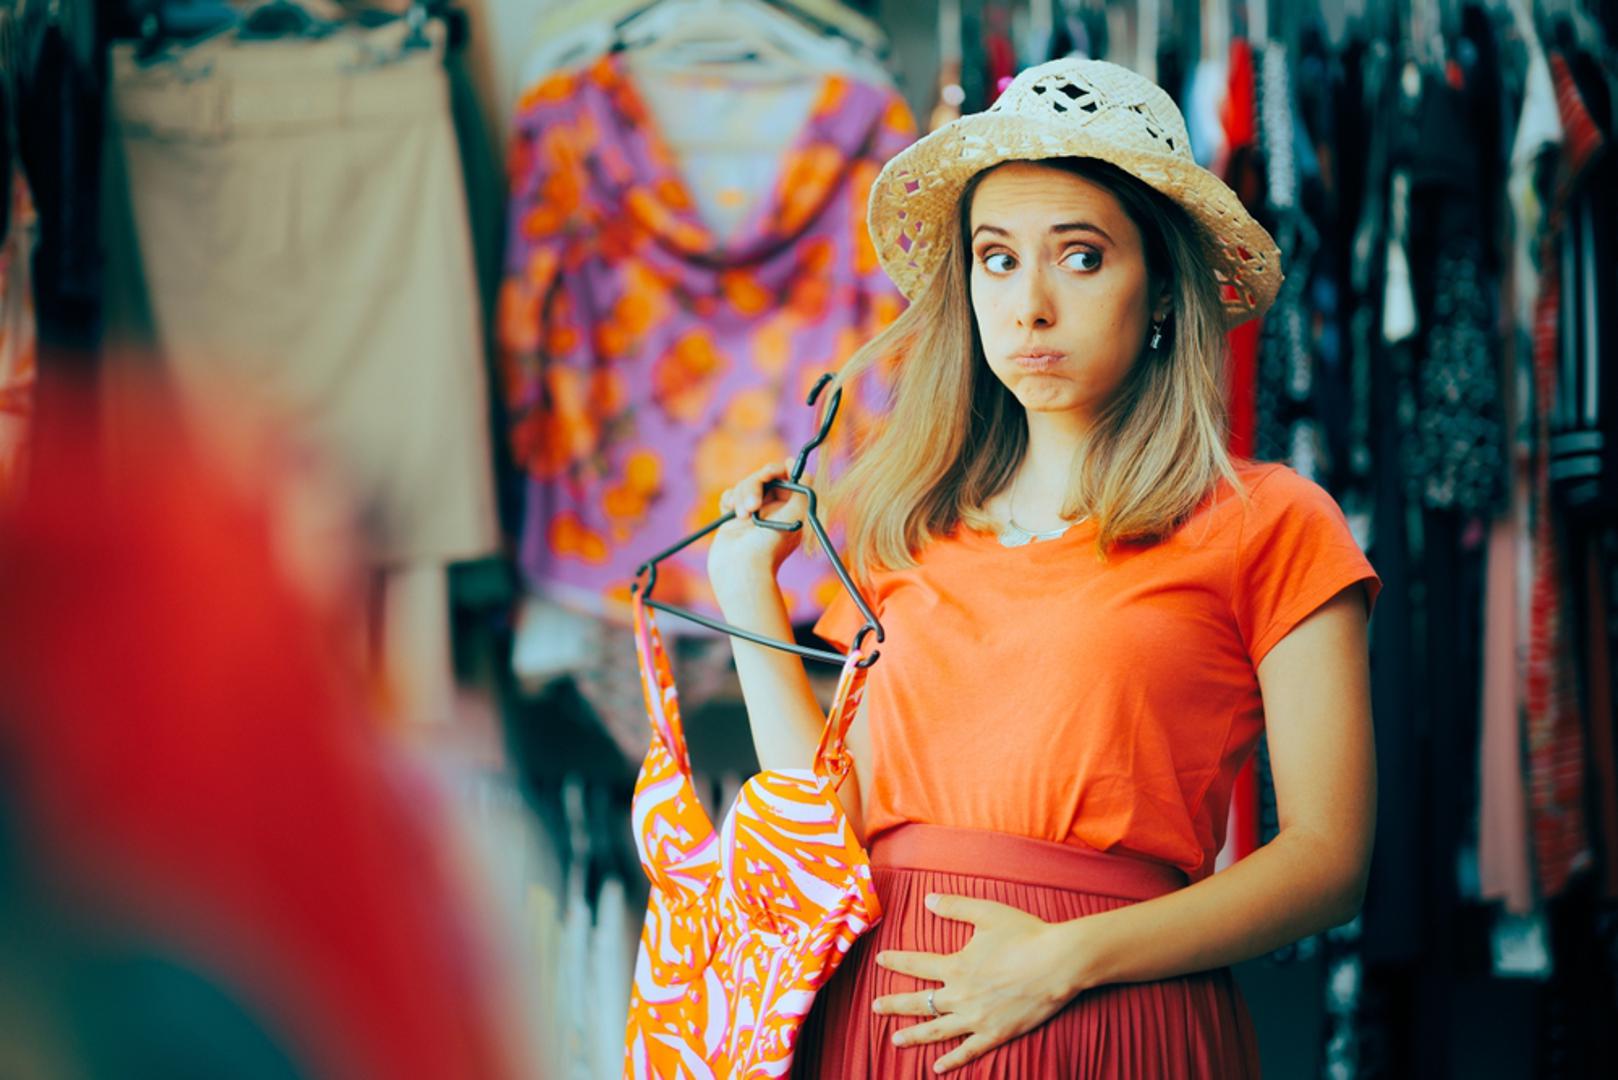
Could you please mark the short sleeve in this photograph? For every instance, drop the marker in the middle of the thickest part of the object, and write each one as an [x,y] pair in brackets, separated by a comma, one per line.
[840,622]
[1296,552]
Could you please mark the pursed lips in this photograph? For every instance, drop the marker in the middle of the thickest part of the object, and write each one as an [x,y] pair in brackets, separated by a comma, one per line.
[1038,359]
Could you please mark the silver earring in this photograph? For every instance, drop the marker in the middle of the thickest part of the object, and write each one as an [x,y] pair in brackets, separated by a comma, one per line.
[1157,334]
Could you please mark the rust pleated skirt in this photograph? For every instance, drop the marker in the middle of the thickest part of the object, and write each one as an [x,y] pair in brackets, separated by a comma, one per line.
[1187,1028]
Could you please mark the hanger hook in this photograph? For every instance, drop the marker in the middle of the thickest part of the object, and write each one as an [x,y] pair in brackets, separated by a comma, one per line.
[859,643]
[826,419]
[648,570]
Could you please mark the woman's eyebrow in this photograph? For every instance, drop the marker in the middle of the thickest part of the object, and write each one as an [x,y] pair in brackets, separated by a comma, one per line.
[1064,227]
[1081,226]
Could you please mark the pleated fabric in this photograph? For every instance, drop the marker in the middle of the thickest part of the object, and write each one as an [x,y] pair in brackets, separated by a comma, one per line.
[1186,1028]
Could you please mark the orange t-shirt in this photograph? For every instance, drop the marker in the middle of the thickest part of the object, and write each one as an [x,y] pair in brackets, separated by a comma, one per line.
[1040,692]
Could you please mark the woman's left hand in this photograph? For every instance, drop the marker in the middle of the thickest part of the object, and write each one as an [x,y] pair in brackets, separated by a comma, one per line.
[1015,973]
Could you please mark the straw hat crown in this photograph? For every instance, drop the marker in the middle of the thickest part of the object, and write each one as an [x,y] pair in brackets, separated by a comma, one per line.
[1069,108]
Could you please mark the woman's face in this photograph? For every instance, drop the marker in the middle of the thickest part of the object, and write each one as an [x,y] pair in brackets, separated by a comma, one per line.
[1059,287]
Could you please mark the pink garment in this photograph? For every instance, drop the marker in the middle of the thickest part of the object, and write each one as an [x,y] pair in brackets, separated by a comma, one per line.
[1503,867]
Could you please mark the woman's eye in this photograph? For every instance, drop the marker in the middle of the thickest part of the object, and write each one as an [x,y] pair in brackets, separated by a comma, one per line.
[999,262]
[1082,259]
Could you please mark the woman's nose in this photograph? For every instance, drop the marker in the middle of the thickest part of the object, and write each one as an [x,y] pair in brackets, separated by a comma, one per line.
[1034,306]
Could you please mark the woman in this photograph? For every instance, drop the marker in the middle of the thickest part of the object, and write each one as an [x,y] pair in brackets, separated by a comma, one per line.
[1091,612]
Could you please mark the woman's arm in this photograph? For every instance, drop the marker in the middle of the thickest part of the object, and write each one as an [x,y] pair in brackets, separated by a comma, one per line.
[782,712]
[785,719]
[1317,708]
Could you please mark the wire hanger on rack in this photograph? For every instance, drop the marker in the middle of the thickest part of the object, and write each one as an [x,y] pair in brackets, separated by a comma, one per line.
[648,569]
[697,32]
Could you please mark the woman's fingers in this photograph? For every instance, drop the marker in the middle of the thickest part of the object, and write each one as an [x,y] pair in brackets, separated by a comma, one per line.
[945,1027]
[750,493]
[907,1004]
[932,967]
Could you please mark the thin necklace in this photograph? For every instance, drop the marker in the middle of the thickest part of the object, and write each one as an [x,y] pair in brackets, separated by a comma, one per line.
[1014,535]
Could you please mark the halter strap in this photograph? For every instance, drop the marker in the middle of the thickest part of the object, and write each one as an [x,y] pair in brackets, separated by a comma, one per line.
[832,759]
[657,686]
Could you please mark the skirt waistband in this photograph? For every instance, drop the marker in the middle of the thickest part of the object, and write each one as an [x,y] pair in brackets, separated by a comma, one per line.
[1021,859]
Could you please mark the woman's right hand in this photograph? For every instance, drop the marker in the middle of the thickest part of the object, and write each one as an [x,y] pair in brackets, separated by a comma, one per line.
[744,556]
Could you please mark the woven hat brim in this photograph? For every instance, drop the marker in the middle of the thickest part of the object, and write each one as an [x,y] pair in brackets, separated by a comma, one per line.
[914,202]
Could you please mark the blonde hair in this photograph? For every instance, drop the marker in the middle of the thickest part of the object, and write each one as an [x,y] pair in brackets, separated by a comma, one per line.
[954,435]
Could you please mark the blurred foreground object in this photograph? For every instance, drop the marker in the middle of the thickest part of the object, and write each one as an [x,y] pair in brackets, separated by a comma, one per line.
[211,862]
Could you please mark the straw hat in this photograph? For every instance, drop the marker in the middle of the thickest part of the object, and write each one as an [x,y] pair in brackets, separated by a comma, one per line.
[1069,108]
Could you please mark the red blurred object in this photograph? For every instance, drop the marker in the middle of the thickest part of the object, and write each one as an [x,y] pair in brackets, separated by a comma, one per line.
[193,762]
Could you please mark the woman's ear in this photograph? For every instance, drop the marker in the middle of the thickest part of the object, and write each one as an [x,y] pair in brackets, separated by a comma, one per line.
[1163,308]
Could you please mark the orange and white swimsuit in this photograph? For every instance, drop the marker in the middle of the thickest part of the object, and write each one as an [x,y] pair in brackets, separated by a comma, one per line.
[745,923]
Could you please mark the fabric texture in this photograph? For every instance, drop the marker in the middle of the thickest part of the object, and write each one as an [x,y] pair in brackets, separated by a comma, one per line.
[746,923]
[1195,1026]
[646,365]
[301,227]
[1106,737]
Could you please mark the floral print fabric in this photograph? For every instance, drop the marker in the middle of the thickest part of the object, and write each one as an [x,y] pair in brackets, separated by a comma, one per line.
[646,366]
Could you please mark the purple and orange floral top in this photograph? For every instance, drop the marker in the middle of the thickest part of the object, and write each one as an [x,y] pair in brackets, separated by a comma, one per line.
[646,366]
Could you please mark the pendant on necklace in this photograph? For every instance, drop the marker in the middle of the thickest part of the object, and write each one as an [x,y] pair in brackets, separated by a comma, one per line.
[1014,535]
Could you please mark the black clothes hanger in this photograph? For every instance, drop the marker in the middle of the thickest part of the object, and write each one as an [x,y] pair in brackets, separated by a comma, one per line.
[648,569]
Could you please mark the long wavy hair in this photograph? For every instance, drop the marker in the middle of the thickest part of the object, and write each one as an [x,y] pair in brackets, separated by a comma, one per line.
[953,435]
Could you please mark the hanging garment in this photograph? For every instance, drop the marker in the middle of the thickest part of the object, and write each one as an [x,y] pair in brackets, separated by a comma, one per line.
[300,228]
[725,135]
[1205,94]
[1584,419]
[1555,728]
[1503,850]
[1599,695]
[1240,169]
[1456,458]
[60,114]
[647,367]
[747,923]
[1135,750]
[18,343]
[1459,439]
[598,656]
[1286,425]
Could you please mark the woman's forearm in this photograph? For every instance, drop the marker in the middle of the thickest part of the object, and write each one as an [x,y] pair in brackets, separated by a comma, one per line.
[785,719]
[1286,890]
